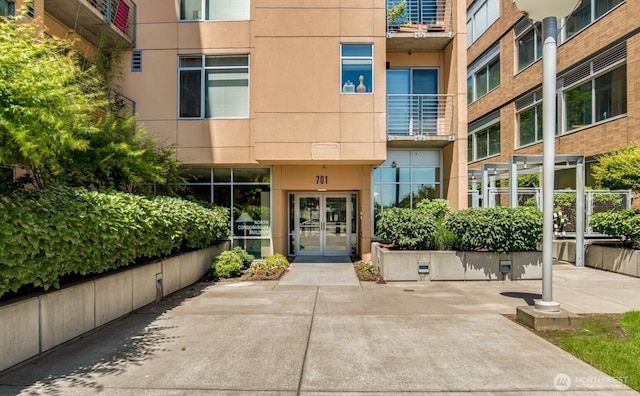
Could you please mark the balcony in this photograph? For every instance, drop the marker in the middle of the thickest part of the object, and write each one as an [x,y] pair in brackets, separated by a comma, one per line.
[421,25]
[110,23]
[420,118]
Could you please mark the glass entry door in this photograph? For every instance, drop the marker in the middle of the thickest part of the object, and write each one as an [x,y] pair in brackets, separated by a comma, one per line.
[322,225]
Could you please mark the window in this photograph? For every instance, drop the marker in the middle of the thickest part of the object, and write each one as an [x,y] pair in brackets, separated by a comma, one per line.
[484,138]
[529,117]
[413,106]
[217,84]
[356,68]
[7,7]
[246,192]
[481,15]
[597,91]
[528,43]
[405,178]
[586,13]
[214,10]
[483,76]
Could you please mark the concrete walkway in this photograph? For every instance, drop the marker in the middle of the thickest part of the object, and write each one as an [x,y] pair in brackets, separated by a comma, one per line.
[290,338]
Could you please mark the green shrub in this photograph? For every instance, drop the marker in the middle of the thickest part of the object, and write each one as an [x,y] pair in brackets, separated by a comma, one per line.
[437,208]
[501,229]
[407,228]
[46,234]
[367,269]
[624,224]
[227,265]
[246,258]
[269,266]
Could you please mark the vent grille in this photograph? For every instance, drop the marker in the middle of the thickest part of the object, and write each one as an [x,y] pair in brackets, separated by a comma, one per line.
[522,26]
[616,55]
[581,73]
[136,60]
[533,97]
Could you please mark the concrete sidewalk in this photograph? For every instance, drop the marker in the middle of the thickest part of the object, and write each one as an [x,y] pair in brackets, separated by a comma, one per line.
[291,338]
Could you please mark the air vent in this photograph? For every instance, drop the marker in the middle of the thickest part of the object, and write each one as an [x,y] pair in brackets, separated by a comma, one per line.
[522,26]
[616,55]
[136,60]
[524,102]
[573,77]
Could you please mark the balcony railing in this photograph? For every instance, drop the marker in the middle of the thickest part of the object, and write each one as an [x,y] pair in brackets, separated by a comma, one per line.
[419,116]
[101,22]
[423,16]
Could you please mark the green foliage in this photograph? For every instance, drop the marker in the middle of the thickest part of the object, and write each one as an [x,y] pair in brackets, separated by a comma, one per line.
[59,122]
[367,268]
[407,228]
[624,224]
[501,229]
[46,234]
[437,208]
[246,258]
[227,265]
[394,13]
[269,266]
[619,170]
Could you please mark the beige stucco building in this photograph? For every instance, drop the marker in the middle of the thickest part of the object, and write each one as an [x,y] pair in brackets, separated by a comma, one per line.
[304,117]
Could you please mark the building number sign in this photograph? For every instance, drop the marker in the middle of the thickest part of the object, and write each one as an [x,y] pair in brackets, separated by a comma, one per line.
[322,179]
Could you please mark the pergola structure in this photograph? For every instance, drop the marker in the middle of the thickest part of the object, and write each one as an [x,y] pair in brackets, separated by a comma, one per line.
[527,164]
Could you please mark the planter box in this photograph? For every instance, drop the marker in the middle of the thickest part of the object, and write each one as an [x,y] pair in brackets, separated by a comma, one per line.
[614,259]
[402,265]
[37,324]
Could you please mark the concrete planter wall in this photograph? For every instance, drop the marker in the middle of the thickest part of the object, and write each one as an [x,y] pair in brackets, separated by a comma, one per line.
[399,265]
[614,259]
[37,324]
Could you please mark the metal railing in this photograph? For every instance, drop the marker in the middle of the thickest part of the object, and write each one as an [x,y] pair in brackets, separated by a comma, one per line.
[421,15]
[121,14]
[596,201]
[415,115]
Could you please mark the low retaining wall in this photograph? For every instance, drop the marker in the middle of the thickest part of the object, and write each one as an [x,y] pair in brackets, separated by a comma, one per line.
[437,265]
[37,324]
[614,259]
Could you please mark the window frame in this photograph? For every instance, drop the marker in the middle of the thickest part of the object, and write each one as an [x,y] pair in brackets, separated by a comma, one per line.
[592,19]
[356,58]
[477,127]
[534,100]
[588,73]
[471,20]
[204,5]
[537,43]
[11,8]
[203,68]
[483,64]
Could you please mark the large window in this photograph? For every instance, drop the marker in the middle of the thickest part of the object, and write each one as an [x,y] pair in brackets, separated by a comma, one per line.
[529,116]
[484,138]
[481,15]
[214,10]
[597,91]
[528,43]
[405,178]
[7,7]
[586,13]
[214,86]
[483,76]
[246,192]
[356,68]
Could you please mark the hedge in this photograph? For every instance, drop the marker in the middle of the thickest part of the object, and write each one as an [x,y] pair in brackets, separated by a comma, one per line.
[501,229]
[623,224]
[46,234]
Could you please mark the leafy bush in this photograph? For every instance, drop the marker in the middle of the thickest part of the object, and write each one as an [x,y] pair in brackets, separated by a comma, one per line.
[227,265]
[269,266]
[501,229]
[46,234]
[246,258]
[624,224]
[408,228]
[367,271]
[437,208]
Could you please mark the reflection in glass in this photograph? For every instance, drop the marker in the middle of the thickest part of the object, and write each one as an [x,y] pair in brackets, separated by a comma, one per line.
[578,102]
[611,94]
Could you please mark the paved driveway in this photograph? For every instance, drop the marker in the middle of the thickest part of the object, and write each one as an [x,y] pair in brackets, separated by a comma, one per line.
[304,337]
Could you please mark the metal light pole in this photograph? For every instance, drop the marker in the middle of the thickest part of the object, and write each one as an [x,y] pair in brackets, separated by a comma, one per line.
[548,11]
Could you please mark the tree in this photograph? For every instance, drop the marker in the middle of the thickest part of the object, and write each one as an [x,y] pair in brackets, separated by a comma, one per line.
[619,170]
[60,122]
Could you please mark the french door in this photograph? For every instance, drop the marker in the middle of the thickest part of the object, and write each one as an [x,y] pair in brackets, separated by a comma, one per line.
[322,224]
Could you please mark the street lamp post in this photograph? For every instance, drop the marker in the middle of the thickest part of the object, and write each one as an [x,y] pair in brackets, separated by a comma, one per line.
[548,12]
